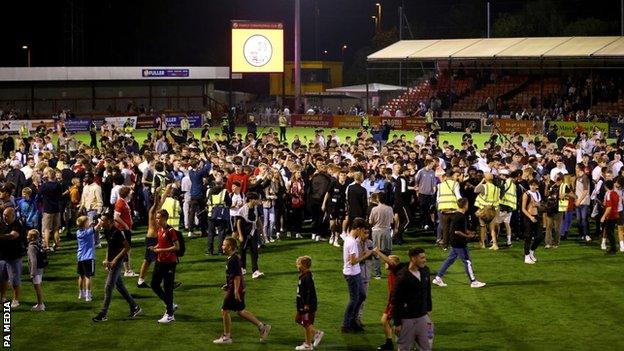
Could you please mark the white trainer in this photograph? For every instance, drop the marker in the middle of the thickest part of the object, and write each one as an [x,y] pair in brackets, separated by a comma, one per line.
[265,329]
[477,284]
[244,271]
[15,304]
[318,336]
[304,347]
[257,274]
[81,295]
[166,319]
[298,236]
[38,308]
[224,339]
[130,274]
[88,298]
[532,256]
[439,282]
[528,260]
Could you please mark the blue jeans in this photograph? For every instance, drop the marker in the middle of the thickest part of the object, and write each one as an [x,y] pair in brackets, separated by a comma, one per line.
[565,223]
[583,222]
[462,252]
[114,279]
[357,295]
[269,221]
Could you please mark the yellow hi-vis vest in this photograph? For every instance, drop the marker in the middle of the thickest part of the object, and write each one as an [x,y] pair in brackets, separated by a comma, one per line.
[365,121]
[447,200]
[173,208]
[283,122]
[563,197]
[215,200]
[509,198]
[490,197]
[24,132]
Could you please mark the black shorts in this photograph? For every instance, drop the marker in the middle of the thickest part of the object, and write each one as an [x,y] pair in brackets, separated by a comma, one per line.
[231,304]
[150,256]
[336,213]
[86,268]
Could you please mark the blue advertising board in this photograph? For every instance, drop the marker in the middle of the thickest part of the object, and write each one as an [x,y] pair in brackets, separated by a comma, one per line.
[174,121]
[165,72]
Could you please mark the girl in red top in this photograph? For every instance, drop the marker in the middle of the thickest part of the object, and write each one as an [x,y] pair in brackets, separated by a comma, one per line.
[166,261]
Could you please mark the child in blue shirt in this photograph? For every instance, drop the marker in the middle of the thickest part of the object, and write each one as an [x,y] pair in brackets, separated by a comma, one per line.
[86,256]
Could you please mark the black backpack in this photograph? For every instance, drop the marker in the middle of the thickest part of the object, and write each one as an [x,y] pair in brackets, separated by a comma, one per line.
[42,257]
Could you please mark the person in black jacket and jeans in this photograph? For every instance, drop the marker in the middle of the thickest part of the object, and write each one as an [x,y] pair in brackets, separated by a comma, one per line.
[412,304]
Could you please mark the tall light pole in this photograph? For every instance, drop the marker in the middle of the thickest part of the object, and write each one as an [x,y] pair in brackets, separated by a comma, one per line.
[376,23]
[297,54]
[488,19]
[378,6]
[342,51]
[27,48]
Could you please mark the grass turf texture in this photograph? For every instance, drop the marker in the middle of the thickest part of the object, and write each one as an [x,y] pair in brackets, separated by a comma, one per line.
[572,299]
[452,138]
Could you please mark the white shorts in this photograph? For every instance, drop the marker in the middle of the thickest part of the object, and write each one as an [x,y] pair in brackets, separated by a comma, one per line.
[38,276]
[503,217]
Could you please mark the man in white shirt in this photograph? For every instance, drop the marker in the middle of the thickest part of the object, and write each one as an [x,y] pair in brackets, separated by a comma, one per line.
[597,171]
[559,169]
[617,164]
[28,168]
[351,270]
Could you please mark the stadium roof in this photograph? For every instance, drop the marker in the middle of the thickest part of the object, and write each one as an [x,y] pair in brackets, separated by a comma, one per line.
[502,48]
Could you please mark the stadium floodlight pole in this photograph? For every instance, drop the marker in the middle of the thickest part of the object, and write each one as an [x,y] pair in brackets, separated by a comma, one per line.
[27,48]
[297,53]
[488,19]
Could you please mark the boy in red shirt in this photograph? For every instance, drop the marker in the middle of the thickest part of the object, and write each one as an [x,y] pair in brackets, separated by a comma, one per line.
[610,216]
[166,261]
[393,266]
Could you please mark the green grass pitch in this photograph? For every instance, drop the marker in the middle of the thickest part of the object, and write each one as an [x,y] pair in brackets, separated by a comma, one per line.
[572,299]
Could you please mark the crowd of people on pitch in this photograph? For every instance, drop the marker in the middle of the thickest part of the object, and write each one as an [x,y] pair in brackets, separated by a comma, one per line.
[245,192]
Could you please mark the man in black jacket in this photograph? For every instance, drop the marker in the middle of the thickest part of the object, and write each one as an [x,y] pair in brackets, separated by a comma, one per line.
[412,304]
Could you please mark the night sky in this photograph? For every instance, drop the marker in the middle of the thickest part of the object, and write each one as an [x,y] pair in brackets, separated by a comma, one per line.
[196,32]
